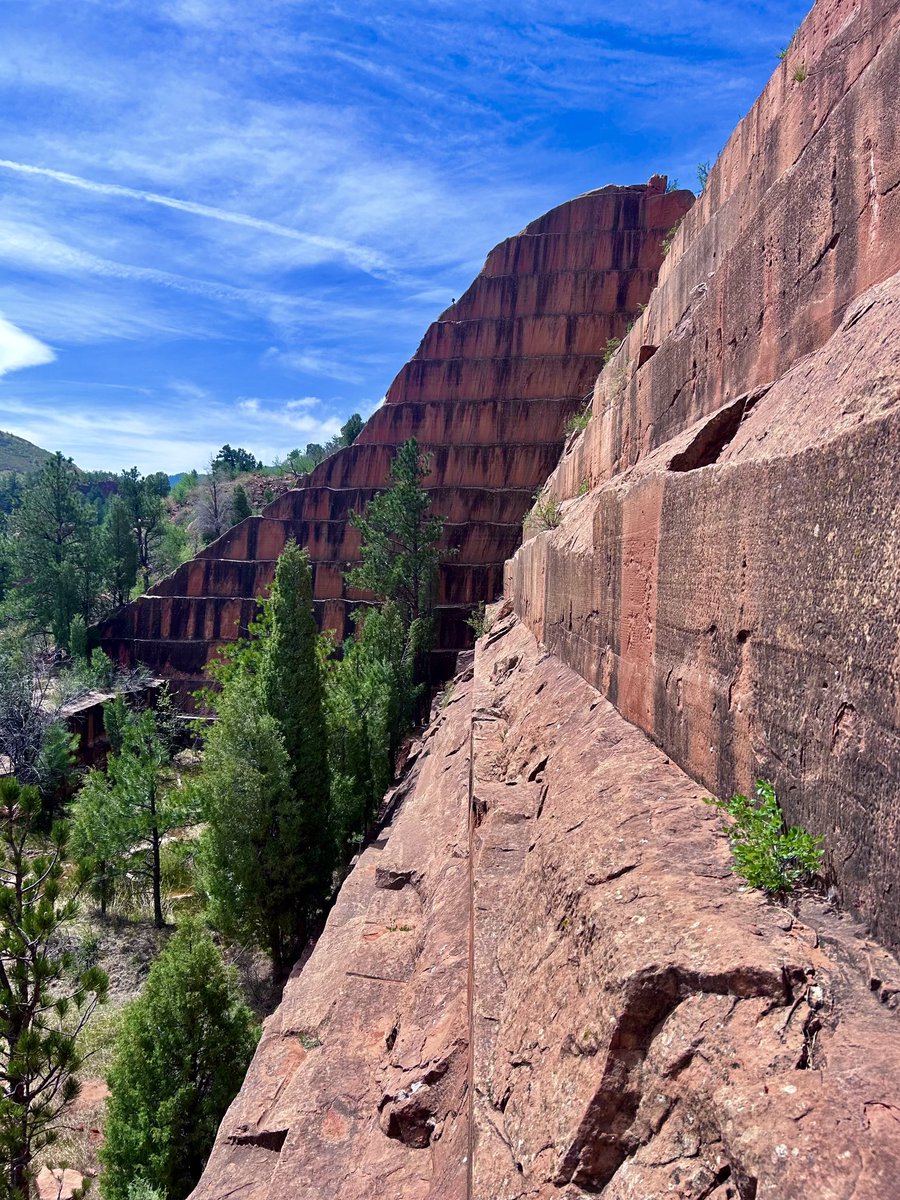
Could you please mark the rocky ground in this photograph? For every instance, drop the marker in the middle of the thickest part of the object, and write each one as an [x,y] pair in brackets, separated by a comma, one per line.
[543,979]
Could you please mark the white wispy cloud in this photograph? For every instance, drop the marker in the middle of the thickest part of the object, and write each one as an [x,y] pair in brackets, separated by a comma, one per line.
[310,362]
[19,349]
[174,431]
[358,256]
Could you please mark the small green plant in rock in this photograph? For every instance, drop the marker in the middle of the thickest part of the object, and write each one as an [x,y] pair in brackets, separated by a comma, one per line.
[800,73]
[584,487]
[447,694]
[703,170]
[767,855]
[666,244]
[477,621]
[578,421]
[610,349]
[546,513]
[783,53]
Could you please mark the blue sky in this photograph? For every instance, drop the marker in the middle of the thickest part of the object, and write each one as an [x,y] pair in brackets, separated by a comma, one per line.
[225,221]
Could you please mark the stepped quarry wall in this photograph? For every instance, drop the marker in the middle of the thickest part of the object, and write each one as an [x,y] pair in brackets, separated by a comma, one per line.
[488,393]
[731,579]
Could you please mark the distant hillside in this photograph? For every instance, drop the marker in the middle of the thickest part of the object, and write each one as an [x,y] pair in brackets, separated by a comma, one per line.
[18,455]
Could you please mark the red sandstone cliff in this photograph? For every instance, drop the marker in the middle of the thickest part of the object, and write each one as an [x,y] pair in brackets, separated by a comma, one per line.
[543,979]
[488,392]
[731,580]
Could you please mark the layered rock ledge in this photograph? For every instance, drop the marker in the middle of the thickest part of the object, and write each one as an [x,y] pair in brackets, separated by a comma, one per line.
[543,980]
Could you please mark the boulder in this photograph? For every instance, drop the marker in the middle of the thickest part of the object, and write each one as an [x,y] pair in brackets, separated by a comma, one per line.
[56,1183]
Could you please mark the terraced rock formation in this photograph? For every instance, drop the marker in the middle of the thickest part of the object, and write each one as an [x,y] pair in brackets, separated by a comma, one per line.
[488,392]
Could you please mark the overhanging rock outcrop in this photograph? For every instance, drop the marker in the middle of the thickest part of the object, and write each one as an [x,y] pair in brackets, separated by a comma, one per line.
[488,392]
[731,579]
[542,980]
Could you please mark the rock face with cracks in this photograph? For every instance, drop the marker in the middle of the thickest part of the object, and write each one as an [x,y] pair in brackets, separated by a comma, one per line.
[727,567]
[543,980]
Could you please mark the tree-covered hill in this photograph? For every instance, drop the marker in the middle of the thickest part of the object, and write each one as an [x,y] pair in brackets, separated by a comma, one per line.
[20,456]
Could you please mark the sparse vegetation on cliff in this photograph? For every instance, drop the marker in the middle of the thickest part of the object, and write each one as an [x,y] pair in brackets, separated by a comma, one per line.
[668,240]
[578,421]
[546,513]
[477,621]
[766,855]
[610,349]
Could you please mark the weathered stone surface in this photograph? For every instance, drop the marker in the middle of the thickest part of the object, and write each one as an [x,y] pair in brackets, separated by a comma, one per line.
[645,1027]
[358,1087]
[731,580]
[488,392]
[58,1184]
[543,980]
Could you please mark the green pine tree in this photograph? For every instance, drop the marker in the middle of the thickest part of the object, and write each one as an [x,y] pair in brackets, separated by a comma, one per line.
[351,431]
[240,505]
[78,639]
[399,539]
[45,999]
[120,552]
[122,814]
[142,496]
[291,688]
[371,702]
[264,786]
[180,1057]
[52,551]
[250,859]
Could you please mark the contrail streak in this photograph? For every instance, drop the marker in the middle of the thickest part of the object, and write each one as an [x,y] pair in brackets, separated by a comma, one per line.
[359,256]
